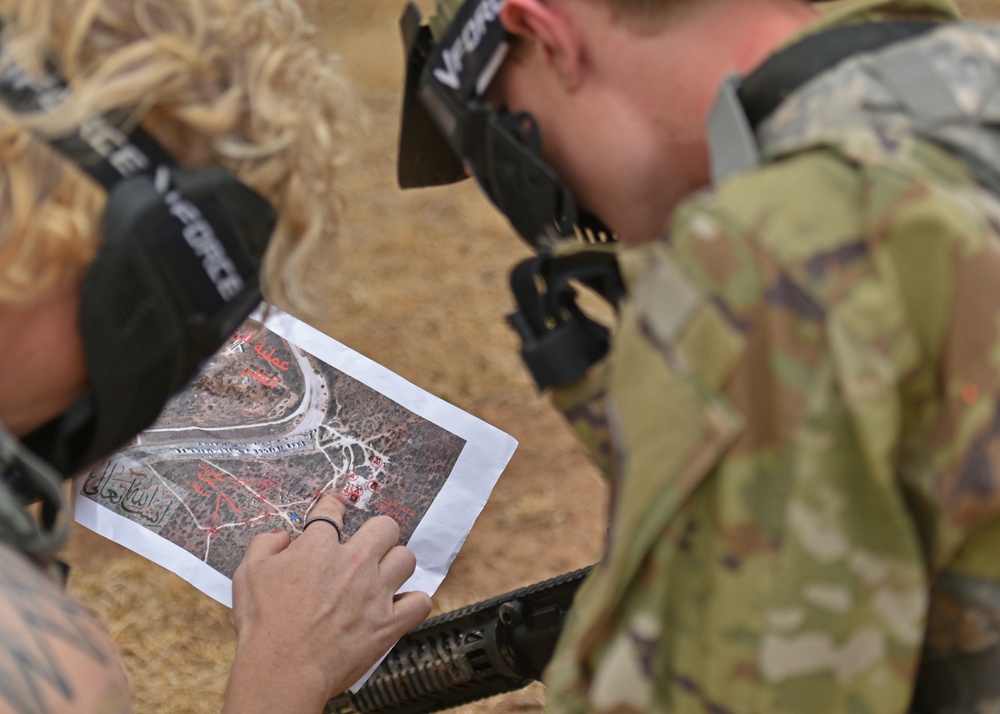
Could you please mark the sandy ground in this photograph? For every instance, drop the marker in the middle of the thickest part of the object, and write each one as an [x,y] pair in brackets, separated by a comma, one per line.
[422,289]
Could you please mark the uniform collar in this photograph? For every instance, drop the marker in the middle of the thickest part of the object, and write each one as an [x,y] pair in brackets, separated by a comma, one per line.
[876,10]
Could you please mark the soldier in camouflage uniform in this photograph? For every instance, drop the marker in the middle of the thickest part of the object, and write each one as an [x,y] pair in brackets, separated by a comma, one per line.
[801,408]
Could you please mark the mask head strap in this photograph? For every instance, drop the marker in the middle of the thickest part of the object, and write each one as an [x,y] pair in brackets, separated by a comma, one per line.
[177,271]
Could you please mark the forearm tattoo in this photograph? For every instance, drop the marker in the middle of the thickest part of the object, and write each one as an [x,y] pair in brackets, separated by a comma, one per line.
[44,633]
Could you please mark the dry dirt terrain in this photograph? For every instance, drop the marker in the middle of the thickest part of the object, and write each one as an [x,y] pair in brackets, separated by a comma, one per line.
[422,289]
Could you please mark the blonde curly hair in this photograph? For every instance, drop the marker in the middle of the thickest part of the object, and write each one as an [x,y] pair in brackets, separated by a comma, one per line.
[236,83]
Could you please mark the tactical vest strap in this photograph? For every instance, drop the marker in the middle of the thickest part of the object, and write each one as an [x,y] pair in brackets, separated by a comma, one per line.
[767,87]
[744,102]
[24,478]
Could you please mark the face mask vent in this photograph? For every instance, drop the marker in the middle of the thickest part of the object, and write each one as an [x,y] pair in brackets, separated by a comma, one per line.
[591,230]
[504,157]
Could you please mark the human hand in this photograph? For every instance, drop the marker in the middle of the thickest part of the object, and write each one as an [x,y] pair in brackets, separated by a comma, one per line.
[313,615]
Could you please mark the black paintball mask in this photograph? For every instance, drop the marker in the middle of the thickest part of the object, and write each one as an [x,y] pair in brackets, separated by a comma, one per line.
[176,273]
[448,132]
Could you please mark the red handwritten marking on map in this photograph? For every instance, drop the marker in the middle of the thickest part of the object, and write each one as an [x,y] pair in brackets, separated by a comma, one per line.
[395,511]
[218,502]
[206,480]
[351,493]
[270,358]
[211,478]
[261,485]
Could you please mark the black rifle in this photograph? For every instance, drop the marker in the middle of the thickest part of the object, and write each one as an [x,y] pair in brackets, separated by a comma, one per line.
[488,648]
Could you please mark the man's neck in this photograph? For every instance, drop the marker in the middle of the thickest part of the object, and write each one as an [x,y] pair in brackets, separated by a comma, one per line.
[668,82]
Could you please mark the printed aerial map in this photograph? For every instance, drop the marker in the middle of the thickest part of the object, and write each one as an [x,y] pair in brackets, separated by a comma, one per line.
[258,436]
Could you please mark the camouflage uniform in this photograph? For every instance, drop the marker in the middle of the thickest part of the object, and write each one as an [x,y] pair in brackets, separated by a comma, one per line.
[804,404]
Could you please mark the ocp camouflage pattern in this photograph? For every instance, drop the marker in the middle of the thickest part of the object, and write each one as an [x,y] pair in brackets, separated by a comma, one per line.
[804,404]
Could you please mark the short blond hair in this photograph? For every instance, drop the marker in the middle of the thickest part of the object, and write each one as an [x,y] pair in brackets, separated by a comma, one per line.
[642,16]
[236,83]
[646,17]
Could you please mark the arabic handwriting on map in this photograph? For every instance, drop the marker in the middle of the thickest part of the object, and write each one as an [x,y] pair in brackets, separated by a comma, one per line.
[270,358]
[263,377]
[135,493]
[401,514]
[242,339]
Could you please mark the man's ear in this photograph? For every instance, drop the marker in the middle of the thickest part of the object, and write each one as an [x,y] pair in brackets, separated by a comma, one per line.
[553,29]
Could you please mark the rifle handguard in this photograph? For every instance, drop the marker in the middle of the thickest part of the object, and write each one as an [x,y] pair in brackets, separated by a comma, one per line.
[488,648]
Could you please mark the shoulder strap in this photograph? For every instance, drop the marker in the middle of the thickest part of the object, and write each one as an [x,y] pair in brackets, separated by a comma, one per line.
[26,478]
[744,102]
[781,74]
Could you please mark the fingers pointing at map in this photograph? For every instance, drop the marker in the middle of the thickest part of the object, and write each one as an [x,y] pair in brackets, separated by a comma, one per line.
[339,616]
[330,509]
